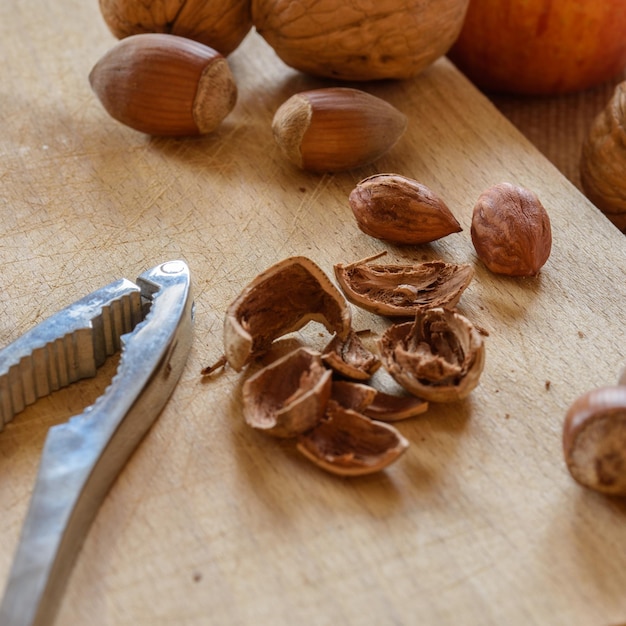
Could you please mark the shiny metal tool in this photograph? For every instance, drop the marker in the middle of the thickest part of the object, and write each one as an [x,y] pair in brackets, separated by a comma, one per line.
[152,323]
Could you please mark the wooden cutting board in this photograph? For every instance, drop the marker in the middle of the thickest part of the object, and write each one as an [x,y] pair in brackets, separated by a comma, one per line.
[213,523]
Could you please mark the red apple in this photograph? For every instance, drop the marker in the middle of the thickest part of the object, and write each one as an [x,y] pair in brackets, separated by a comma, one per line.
[541,47]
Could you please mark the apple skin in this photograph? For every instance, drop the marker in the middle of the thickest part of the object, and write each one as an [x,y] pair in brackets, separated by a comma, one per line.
[541,47]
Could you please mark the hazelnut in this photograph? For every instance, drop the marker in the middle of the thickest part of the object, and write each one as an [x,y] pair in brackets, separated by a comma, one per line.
[603,160]
[164,85]
[361,39]
[220,24]
[594,440]
[511,230]
[400,210]
[336,128]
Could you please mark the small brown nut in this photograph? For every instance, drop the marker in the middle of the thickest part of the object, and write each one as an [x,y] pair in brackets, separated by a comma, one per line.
[511,230]
[594,440]
[439,356]
[282,299]
[289,396]
[400,210]
[220,24]
[349,444]
[403,290]
[350,358]
[603,160]
[336,128]
[164,85]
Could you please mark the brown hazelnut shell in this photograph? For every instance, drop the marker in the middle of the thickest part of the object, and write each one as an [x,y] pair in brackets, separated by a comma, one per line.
[164,85]
[282,299]
[439,356]
[334,129]
[511,230]
[403,290]
[594,440]
[350,358]
[289,396]
[349,444]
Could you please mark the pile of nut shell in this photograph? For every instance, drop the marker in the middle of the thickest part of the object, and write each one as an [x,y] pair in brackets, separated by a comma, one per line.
[322,399]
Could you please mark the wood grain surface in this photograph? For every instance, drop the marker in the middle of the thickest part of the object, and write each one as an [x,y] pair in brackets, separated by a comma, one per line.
[213,523]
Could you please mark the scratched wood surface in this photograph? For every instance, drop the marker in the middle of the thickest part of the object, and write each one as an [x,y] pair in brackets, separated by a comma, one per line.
[479,523]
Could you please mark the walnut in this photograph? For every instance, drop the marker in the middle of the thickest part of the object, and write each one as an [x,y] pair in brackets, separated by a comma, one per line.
[222,25]
[359,40]
[603,160]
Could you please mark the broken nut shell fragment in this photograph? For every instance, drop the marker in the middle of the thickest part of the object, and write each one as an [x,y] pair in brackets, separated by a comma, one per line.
[349,444]
[403,290]
[350,358]
[376,404]
[439,356]
[400,210]
[289,396]
[594,440]
[280,300]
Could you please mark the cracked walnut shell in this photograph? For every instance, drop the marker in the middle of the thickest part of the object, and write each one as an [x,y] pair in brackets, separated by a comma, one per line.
[361,39]
[603,160]
[439,356]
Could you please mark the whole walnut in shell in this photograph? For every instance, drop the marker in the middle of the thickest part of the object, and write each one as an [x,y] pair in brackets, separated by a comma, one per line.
[222,25]
[603,160]
[361,39]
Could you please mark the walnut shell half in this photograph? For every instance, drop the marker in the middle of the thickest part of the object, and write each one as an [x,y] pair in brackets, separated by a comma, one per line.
[350,444]
[603,160]
[403,290]
[280,300]
[289,396]
[439,356]
[360,39]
